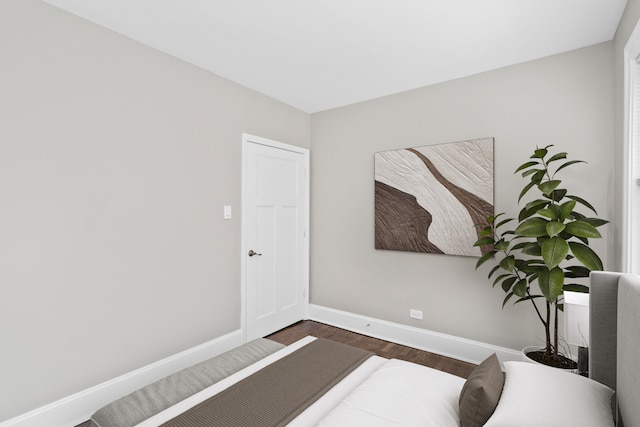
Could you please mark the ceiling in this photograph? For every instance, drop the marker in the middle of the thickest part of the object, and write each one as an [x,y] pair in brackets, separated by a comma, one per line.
[321,54]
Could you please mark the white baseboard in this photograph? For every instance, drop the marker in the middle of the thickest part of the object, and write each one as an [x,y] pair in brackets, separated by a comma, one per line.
[422,339]
[77,408]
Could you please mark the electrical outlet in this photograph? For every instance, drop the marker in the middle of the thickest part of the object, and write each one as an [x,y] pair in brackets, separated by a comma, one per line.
[416,314]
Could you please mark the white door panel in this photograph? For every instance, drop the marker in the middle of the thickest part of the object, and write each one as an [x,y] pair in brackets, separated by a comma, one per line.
[275,212]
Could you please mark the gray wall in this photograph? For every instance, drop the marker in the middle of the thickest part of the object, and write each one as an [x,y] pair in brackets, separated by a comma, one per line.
[566,100]
[115,163]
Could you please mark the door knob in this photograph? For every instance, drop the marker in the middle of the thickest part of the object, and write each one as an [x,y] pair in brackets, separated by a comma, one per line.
[253,253]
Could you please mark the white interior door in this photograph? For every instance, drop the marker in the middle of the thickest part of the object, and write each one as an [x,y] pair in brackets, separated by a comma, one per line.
[275,242]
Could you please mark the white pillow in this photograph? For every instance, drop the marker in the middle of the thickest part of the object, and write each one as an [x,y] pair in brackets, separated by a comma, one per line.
[536,396]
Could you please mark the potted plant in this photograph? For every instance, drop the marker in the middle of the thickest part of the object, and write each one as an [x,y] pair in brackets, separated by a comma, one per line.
[549,245]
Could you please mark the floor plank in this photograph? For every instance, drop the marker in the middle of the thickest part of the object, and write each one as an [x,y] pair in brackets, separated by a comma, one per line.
[380,347]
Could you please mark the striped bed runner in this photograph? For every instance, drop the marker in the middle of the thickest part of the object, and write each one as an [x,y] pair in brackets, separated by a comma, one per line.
[278,393]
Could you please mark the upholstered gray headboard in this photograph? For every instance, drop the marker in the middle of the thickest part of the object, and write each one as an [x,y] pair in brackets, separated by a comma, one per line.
[614,336]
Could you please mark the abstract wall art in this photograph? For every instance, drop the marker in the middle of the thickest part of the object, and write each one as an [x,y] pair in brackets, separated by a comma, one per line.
[427,199]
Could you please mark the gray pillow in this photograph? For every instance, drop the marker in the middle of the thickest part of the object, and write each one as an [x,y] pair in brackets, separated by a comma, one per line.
[481,393]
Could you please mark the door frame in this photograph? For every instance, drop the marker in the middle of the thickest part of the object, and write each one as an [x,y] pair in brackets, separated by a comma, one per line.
[252,139]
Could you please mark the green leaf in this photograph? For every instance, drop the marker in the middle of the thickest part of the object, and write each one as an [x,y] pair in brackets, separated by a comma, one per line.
[508,263]
[503,222]
[573,287]
[557,194]
[551,283]
[520,288]
[526,213]
[501,245]
[583,202]
[554,227]
[508,283]
[569,163]
[484,258]
[531,271]
[532,248]
[525,190]
[553,252]
[537,177]
[548,186]
[500,278]
[583,240]
[493,270]
[536,204]
[586,256]
[532,227]
[506,299]
[577,215]
[531,209]
[596,222]
[531,172]
[487,231]
[491,219]
[484,241]
[524,266]
[539,153]
[526,165]
[536,261]
[519,246]
[547,213]
[555,209]
[543,282]
[576,271]
[583,229]
[566,208]
[557,157]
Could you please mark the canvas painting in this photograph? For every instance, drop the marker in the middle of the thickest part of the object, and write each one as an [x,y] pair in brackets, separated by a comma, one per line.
[427,199]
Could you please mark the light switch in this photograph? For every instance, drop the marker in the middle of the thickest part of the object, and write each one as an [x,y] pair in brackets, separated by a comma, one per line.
[227,212]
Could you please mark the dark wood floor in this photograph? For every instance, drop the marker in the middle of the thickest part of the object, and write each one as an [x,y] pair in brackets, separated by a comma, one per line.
[382,348]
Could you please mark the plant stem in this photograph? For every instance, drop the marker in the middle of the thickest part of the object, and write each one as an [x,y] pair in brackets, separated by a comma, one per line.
[555,332]
[546,329]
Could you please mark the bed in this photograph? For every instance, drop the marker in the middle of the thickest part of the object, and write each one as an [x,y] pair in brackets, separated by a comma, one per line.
[321,382]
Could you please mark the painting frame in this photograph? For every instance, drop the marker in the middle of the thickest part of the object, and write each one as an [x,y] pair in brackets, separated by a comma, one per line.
[429,198]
